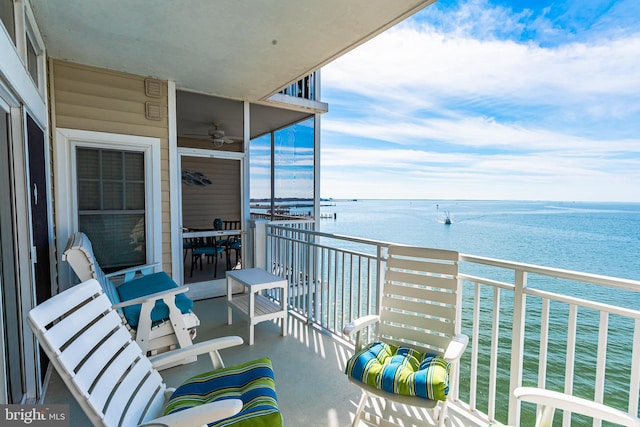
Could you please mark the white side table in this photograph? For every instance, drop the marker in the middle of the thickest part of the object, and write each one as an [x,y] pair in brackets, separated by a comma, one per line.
[252,305]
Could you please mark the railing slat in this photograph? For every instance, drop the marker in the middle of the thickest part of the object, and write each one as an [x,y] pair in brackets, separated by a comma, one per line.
[603,329]
[544,344]
[634,384]
[570,360]
[517,343]
[475,332]
[493,361]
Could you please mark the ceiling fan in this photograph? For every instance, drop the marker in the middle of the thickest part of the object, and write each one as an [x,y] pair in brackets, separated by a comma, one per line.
[218,137]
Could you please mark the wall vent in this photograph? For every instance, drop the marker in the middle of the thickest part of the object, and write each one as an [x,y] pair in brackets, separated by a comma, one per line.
[152,111]
[153,88]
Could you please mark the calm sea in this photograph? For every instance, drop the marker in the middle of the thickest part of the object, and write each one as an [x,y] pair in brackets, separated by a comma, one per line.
[598,238]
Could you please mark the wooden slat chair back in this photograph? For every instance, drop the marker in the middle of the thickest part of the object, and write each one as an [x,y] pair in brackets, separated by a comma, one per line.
[111,378]
[154,334]
[85,338]
[419,312]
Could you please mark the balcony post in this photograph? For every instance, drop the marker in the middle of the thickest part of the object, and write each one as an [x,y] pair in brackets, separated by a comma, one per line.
[260,244]
[517,344]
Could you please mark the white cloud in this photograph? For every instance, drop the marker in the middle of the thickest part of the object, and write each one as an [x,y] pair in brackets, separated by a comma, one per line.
[417,64]
[465,110]
[474,132]
[410,174]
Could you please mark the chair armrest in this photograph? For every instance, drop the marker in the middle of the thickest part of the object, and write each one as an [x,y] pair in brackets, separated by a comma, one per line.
[456,347]
[360,323]
[131,272]
[211,346]
[356,326]
[552,400]
[200,415]
[152,298]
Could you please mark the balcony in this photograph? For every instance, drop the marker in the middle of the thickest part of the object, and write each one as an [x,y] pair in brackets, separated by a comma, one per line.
[528,325]
[304,88]
[302,95]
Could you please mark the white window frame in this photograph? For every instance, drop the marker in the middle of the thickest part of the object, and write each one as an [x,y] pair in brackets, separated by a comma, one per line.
[14,72]
[66,192]
[32,35]
[27,31]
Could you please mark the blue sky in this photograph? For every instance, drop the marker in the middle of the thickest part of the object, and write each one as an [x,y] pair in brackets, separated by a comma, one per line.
[480,99]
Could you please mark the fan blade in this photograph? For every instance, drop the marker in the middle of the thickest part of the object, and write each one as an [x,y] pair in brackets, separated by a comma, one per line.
[216,133]
[196,136]
[232,139]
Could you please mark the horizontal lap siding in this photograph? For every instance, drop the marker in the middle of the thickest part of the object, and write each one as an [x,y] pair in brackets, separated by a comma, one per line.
[100,100]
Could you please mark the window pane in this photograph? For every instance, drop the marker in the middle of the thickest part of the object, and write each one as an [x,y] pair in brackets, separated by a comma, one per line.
[293,169]
[112,165]
[109,183]
[260,168]
[88,195]
[32,61]
[112,195]
[134,166]
[88,162]
[6,16]
[135,196]
[118,240]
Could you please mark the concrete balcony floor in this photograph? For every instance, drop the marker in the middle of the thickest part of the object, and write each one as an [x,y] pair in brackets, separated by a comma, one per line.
[312,389]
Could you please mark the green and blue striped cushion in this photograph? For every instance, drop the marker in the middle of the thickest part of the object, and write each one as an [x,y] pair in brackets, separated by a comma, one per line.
[401,370]
[252,382]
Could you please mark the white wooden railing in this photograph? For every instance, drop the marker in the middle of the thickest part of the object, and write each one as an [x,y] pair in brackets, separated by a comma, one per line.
[529,325]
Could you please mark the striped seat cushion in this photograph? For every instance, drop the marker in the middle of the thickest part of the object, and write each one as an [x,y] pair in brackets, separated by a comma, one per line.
[400,370]
[251,382]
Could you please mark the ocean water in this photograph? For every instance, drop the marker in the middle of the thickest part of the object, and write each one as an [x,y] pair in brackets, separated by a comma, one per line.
[597,238]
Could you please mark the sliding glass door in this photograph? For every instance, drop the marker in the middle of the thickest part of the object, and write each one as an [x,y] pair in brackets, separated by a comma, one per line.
[9,283]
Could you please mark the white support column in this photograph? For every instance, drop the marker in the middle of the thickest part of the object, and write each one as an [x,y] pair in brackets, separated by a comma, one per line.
[174,187]
[316,172]
[260,244]
[245,188]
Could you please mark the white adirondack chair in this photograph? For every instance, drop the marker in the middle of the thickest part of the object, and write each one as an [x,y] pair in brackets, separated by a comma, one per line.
[420,311]
[153,335]
[116,384]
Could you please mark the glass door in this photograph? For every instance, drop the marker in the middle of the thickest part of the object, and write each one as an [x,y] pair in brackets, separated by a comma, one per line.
[9,283]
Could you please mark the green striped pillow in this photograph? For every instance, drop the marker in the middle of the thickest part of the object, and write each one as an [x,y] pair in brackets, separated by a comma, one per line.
[401,370]
[251,382]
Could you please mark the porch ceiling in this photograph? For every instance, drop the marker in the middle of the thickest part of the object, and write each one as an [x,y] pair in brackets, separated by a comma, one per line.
[196,114]
[238,49]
